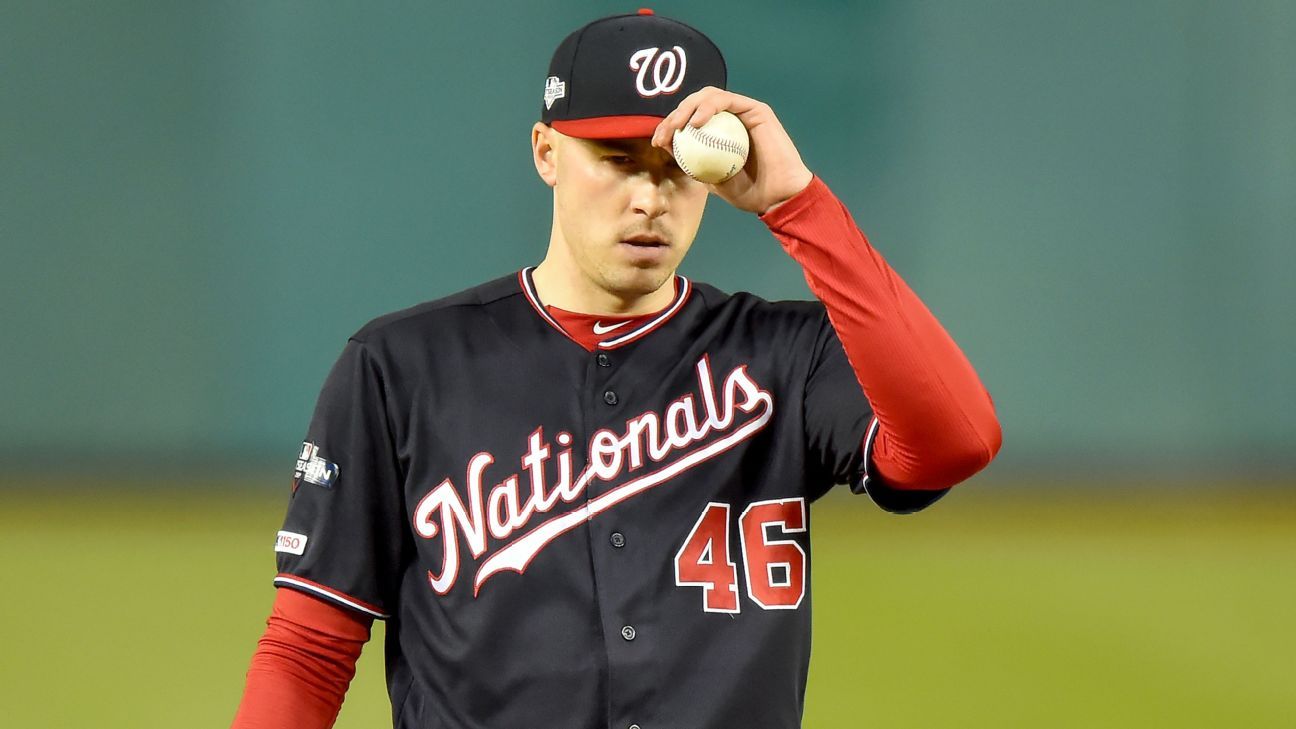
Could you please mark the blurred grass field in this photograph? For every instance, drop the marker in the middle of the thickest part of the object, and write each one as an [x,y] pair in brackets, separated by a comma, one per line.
[1000,607]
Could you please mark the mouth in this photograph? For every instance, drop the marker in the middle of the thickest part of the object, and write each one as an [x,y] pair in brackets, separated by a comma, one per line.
[645,250]
[646,240]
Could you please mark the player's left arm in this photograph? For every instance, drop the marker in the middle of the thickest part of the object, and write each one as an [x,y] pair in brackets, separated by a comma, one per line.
[936,424]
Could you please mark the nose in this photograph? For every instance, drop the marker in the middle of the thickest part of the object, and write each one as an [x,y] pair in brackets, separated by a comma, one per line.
[649,195]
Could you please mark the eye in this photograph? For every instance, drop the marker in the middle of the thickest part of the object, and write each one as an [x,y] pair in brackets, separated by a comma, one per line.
[619,160]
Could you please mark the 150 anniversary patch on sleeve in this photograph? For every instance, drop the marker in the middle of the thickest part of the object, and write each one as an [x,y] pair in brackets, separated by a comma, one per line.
[290,543]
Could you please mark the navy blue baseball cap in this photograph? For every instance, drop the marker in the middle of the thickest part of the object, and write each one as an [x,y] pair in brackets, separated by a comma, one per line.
[618,77]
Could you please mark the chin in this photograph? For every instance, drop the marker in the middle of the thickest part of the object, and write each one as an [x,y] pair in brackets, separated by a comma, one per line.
[630,281]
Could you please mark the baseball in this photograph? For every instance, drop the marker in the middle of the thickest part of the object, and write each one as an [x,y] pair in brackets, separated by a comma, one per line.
[713,152]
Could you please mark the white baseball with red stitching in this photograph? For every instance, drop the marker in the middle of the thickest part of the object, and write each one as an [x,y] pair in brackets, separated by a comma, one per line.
[713,152]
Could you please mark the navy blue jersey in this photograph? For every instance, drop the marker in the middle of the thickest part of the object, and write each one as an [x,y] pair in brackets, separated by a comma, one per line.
[566,538]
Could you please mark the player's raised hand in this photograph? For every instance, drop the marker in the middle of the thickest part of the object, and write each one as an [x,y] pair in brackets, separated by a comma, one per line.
[774,171]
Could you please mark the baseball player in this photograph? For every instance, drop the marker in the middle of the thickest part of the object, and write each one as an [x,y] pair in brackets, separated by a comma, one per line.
[579,493]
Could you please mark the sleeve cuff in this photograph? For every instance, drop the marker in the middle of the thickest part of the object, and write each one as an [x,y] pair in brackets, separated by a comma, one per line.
[895,501]
[334,596]
[815,194]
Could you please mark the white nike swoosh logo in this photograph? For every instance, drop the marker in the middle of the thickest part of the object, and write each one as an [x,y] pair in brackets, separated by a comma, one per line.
[601,330]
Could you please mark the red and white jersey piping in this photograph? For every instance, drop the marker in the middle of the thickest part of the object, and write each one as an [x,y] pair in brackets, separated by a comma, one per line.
[337,596]
[683,287]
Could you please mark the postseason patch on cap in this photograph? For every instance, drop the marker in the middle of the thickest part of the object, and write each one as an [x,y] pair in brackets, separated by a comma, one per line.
[555,89]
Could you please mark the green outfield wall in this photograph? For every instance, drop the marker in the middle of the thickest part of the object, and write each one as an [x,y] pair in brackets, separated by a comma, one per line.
[199,202]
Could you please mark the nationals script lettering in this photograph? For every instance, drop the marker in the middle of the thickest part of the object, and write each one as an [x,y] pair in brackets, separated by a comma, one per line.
[683,435]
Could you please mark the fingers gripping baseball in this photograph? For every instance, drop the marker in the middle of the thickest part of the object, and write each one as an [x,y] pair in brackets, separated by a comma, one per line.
[774,171]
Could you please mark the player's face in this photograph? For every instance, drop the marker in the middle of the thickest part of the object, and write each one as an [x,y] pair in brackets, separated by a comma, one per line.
[625,210]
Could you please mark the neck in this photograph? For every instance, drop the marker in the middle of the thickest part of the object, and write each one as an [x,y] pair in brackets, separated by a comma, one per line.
[560,282]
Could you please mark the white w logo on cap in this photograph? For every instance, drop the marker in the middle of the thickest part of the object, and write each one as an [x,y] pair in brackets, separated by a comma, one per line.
[667,70]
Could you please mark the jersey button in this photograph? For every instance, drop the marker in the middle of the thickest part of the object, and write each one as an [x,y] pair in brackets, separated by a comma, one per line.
[617,539]
[628,632]
[603,360]
[610,397]
[633,726]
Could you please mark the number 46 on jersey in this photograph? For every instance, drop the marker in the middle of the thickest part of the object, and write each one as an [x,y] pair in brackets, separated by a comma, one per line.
[773,569]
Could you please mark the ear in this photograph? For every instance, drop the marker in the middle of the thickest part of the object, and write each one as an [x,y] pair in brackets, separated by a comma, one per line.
[544,152]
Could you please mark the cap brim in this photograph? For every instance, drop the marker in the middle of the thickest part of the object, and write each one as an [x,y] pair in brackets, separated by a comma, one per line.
[609,127]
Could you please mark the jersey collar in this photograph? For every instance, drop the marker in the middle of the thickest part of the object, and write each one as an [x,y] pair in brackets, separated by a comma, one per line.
[683,287]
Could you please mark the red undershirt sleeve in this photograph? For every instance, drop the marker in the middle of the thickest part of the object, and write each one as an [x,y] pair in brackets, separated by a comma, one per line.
[937,424]
[302,665]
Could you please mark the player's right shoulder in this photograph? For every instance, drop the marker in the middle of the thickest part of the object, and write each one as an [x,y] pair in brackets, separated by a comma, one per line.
[459,310]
